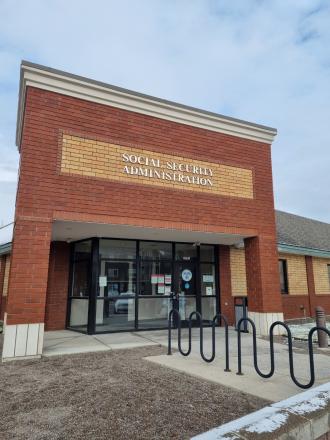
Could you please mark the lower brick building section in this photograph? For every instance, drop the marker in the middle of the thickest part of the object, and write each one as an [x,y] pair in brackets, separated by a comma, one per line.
[57,289]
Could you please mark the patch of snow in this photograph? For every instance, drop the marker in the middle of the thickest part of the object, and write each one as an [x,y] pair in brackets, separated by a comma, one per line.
[269,424]
[314,404]
[300,331]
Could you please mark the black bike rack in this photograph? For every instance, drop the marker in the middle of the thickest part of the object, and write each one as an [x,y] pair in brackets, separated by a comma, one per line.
[218,317]
[272,357]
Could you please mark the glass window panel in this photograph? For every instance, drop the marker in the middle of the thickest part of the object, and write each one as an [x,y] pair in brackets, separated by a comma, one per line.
[206,252]
[155,250]
[185,251]
[117,278]
[283,276]
[115,314]
[155,278]
[125,249]
[82,250]
[207,279]
[80,278]
[209,308]
[79,314]
[153,312]
[187,305]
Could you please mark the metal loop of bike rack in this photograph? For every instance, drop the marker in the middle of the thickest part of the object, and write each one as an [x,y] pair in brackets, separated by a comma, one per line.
[271,344]
[218,316]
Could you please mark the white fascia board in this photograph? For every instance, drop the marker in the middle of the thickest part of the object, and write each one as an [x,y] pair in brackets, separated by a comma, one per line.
[90,90]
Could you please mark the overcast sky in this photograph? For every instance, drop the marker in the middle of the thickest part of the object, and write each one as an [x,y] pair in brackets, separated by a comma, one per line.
[263,61]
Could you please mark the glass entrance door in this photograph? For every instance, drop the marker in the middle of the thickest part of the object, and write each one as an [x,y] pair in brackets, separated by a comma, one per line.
[185,288]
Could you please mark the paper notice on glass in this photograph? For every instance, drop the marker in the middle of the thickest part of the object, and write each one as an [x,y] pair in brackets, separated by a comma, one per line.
[161,279]
[207,278]
[154,279]
[168,279]
[102,281]
[161,288]
[167,290]
[209,291]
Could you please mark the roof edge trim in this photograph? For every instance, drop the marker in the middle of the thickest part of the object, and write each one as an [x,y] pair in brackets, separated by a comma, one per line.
[298,250]
[57,81]
[5,248]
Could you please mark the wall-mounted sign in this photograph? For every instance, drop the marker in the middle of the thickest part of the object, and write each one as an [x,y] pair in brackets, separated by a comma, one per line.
[169,170]
[161,289]
[154,279]
[209,290]
[102,281]
[93,158]
[167,290]
[186,275]
[168,279]
[207,278]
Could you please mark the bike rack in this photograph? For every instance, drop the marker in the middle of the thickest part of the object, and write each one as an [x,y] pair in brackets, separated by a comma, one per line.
[272,358]
[218,316]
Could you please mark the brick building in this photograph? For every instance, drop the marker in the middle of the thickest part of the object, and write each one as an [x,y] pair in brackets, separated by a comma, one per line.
[128,205]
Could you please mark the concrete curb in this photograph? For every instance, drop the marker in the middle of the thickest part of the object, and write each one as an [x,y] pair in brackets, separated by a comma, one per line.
[305,416]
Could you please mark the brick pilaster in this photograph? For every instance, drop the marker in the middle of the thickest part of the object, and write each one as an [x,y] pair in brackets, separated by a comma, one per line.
[2,277]
[29,272]
[57,291]
[311,284]
[226,298]
[262,275]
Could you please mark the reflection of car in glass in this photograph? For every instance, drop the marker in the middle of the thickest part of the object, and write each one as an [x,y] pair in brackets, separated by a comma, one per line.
[113,290]
[121,304]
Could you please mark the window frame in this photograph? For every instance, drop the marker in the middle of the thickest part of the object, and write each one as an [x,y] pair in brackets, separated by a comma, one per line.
[284,264]
[95,259]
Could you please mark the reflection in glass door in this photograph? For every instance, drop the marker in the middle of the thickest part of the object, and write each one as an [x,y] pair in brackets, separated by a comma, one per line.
[185,288]
[119,285]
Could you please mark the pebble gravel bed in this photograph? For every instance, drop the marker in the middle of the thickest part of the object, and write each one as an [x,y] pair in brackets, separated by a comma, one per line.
[111,395]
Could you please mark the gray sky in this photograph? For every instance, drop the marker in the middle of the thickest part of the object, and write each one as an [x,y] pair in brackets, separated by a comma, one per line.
[263,61]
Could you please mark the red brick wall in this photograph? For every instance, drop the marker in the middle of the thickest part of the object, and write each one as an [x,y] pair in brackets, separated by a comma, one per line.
[2,277]
[262,275]
[57,289]
[296,306]
[44,194]
[28,271]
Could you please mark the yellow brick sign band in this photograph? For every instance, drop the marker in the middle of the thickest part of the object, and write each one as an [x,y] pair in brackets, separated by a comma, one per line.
[105,160]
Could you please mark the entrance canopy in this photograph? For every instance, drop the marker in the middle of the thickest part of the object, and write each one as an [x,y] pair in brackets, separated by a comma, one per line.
[72,230]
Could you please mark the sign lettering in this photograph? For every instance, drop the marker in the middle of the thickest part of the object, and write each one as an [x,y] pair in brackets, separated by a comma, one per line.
[154,168]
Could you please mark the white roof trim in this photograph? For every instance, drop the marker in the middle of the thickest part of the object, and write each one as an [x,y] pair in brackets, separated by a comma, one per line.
[72,85]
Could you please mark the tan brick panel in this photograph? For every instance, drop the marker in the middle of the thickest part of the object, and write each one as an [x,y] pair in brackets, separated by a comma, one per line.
[321,275]
[238,272]
[104,160]
[297,274]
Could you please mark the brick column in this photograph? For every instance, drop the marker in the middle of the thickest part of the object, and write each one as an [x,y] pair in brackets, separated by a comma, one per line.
[262,276]
[2,277]
[226,298]
[25,315]
[310,284]
[57,289]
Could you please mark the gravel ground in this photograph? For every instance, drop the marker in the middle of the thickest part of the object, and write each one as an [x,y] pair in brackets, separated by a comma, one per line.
[111,395]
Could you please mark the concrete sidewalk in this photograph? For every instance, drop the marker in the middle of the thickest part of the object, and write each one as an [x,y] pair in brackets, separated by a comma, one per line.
[68,342]
[279,387]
